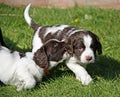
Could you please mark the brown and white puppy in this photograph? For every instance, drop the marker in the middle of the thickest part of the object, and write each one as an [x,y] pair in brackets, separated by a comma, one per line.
[84,44]
[25,69]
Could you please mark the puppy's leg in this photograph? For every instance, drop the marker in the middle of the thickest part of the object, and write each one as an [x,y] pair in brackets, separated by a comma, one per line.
[80,72]
[20,85]
[36,71]
[26,81]
[38,75]
[30,83]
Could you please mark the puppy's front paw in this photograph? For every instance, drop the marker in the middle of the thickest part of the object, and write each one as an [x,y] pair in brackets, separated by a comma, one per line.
[20,86]
[86,79]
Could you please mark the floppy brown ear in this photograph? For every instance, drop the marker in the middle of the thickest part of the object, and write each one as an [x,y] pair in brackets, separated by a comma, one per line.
[40,58]
[69,47]
[98,45]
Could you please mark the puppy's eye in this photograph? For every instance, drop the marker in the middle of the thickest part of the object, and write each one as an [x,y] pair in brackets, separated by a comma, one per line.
[80,49]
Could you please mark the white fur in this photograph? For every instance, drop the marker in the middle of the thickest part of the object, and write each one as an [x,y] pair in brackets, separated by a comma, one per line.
[88,51]
[21,72]
[36,41]
[26,15]
[53,29]
[74,32]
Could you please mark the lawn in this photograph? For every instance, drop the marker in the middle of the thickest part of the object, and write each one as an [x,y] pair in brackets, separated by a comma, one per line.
[62,83]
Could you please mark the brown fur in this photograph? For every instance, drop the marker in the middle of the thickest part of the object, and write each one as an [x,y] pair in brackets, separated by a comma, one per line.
[50,51]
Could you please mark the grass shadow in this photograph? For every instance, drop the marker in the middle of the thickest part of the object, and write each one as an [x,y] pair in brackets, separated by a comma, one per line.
[105,67]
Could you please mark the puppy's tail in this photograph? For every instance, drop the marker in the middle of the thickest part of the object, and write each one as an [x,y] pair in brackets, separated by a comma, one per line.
[1,39]
[28,18]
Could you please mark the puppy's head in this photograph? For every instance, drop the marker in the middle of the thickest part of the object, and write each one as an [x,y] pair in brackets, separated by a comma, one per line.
[85,46]
[52,50]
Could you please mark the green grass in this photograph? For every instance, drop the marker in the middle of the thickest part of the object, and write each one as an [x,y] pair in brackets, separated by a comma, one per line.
[62,83]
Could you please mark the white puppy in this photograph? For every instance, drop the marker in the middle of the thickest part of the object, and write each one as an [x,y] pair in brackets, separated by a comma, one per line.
[25,69]
[18,69]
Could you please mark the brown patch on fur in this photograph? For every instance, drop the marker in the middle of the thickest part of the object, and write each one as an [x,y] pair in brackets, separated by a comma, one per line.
[96,45]
[34,25]
[51,51]
[59,34]
[46,70]
[41,58]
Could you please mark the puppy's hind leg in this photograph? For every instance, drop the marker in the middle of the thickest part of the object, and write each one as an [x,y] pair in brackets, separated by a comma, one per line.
[20,85]
[27,82]
[30,83]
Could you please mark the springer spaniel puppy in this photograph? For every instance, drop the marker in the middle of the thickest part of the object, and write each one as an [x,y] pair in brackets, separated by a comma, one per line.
[82,45]
[24,69]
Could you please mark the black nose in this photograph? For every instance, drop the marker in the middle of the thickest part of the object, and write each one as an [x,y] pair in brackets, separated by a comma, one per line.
[88,58]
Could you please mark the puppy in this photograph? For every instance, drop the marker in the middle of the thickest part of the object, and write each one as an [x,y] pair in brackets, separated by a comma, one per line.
[82,45]
[25,69]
